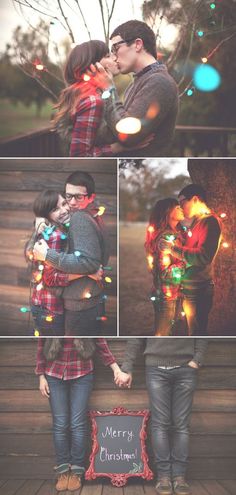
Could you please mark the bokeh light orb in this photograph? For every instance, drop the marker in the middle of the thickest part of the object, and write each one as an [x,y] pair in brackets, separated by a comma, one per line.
[128,125]
[206,78]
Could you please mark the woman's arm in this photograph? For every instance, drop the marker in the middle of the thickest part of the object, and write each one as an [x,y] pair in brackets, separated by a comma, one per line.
[87,121]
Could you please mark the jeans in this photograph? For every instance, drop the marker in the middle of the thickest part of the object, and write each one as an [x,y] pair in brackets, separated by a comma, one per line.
[69,405]
[171,394]
[84,323]
[197,304]
[165,312]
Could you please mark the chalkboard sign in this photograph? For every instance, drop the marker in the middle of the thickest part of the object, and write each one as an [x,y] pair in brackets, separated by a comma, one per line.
[118,449]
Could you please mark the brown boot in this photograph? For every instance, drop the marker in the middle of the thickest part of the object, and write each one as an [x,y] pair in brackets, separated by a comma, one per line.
[62,482]
[74,482]
[164,486]
[181,487]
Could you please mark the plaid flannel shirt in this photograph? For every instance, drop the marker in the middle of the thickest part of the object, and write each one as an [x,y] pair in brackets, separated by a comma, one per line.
[68,365]
[50,277]
[88,116]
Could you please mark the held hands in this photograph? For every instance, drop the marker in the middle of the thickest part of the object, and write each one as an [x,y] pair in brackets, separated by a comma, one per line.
[120,378]
[44,387]
[192,364]
[40,250]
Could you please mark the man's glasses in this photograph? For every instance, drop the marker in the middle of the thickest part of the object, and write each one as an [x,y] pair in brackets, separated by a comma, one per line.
[115,46]
[77,197]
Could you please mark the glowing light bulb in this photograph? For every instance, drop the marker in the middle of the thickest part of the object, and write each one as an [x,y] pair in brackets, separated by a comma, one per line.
[106,94]
[38,277]
[223,215]
[200,33]
[36,333]
[24,310]
[153,298]
[101,210]
[150,229]
[128,125]
[189,92]
[41,268]
[39,67]
[225,245]
[39,286]
[77,253]
[150,261]
[182,313]
[170,238]
[86,77]
[206,77]
[166,260]
[190,234]
[204,60]
[63,236]
[212,6]
[108,280]
[49,318]
[67,224]
[87,295]
[101,318]
[168,293]
[109,268]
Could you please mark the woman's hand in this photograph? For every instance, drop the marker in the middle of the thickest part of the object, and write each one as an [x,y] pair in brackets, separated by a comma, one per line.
[41,224]
[40,250]
[44,387]
[123,380]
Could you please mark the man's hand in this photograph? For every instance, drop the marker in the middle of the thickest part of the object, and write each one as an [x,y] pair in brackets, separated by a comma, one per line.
[40,250]
[103,78]
[44,387]
[192,364]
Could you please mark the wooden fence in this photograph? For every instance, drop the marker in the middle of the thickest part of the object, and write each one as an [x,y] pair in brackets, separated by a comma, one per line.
[189,141]
[20,182]
[26,449]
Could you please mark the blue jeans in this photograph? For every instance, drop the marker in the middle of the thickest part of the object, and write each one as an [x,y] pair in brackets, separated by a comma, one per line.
[47,328]
[197,304]
[170,394]
[69,405]
[86,322]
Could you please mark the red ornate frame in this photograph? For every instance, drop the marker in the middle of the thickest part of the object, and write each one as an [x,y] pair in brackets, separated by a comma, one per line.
[119,479]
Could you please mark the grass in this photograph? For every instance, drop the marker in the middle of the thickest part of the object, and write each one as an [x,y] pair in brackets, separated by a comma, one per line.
[18,119]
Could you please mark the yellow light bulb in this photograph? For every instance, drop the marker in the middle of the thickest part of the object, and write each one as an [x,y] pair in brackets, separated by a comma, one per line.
[128,125]
[101,210]
[108,280]
[87,295]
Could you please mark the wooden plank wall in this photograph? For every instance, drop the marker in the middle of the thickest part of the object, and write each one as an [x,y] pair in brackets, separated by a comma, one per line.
[20,182]
[26,449]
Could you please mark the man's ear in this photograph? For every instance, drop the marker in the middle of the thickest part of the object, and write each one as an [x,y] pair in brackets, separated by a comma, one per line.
[92,198]
[139,44]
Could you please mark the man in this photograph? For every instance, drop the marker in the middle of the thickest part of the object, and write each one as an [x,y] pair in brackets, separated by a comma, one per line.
[152,97]
[87,250]
[171,376]
[199,252]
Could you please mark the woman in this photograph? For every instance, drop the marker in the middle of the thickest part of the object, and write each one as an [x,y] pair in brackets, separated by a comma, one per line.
[81,103]
[167,271]
[65,368]
[47,282]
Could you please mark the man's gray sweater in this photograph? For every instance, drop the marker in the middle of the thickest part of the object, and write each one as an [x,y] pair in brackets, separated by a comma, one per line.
[87,250]
[152,98]
[164,352]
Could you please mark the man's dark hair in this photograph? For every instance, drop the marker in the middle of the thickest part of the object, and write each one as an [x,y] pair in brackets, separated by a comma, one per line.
[82,179]
[131,30]
[193,190]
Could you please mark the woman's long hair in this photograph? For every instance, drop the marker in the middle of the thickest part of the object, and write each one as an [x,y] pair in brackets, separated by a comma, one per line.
[79,60]
[158,221]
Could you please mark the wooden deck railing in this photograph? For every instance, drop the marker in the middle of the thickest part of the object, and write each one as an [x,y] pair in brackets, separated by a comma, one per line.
[189,141]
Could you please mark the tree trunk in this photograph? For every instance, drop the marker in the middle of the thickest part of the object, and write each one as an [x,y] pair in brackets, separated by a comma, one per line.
[218,177]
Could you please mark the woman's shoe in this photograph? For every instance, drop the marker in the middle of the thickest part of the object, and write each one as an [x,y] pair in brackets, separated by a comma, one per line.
[62,482]
[74,482]
[181,487]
